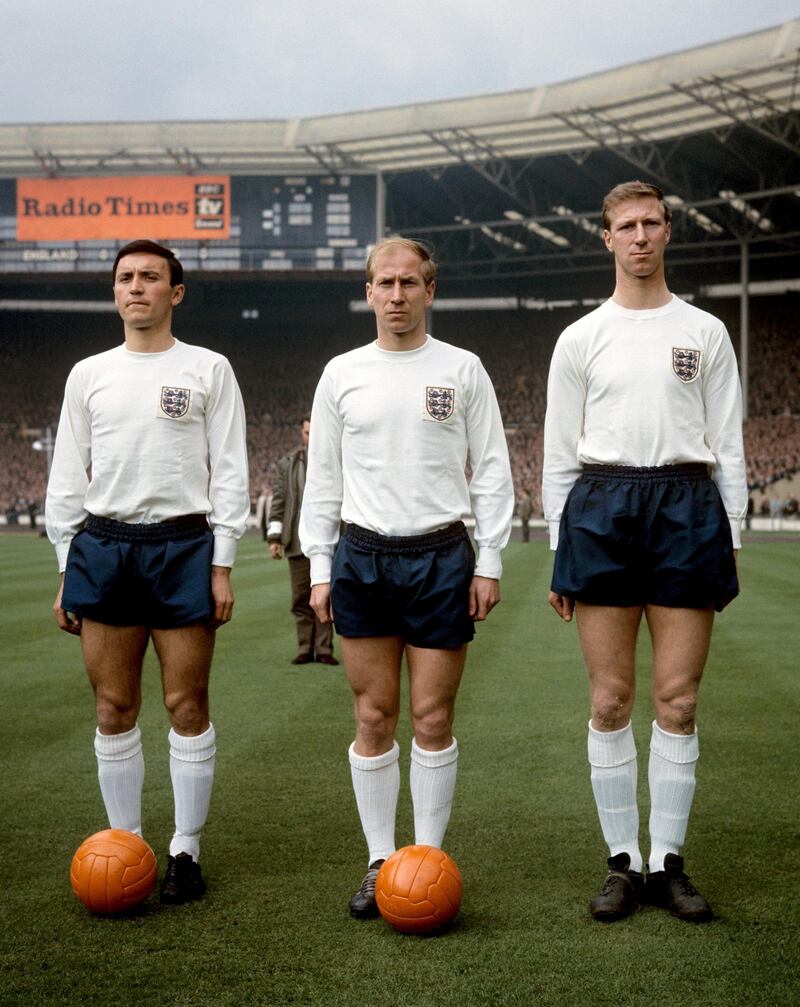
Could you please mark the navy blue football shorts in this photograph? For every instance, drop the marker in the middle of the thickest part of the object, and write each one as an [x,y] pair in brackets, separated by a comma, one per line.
[646,536]
[415,587]
[155,575]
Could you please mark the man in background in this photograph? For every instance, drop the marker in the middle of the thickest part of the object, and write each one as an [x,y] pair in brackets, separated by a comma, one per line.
[314,638]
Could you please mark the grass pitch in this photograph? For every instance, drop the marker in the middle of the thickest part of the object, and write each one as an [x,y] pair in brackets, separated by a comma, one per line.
[283,851]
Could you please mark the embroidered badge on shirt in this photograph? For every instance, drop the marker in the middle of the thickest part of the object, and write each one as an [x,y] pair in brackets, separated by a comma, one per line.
[686,363]
[175,402]
[440,402]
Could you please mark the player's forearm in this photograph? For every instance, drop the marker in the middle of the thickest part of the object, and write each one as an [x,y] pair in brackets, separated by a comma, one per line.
[491,487]
[563,429]
[320,563]
[493,511]
[723,411]
[68,481]
[230,509]
[65,512]
[321,511]
[228,490]
[228,485]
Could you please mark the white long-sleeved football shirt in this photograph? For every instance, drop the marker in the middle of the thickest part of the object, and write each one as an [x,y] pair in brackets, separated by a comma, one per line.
[145,437]
[644,388]
[391,434]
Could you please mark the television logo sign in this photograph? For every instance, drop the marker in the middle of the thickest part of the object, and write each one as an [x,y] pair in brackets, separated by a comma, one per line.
[211,206]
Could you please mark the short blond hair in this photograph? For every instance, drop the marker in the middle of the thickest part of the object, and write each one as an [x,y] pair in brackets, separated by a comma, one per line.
[633,190]
[424,254]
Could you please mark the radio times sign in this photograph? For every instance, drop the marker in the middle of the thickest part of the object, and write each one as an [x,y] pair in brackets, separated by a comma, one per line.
[80,209]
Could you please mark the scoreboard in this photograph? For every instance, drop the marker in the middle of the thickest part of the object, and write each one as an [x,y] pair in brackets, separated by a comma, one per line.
[250,223]
[307,222]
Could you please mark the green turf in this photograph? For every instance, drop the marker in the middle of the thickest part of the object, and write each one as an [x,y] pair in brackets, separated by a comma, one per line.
[283,851]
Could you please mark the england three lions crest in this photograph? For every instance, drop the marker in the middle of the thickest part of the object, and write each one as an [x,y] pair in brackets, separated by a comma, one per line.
[440,402]
[686,363]
[175,402]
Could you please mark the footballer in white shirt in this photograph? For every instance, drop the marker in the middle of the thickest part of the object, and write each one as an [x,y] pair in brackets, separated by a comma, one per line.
[146,500]
[644,490]
[393,426]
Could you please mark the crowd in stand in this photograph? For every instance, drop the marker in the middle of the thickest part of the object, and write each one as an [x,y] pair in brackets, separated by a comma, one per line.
[279,371]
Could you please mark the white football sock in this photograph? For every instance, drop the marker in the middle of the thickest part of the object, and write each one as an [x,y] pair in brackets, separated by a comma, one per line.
[376,784]
[120,770]
[672,782]
[191,766]
[612,756]
[433,782]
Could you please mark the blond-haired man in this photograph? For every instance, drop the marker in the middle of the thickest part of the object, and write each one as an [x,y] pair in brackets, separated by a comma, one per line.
[392,428]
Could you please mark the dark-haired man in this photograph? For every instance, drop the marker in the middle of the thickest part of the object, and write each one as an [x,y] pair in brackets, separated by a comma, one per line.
[392,427]
[644,490]
[146,501]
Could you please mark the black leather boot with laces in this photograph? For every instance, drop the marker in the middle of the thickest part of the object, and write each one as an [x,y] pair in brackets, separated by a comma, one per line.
[672,890]
[363,905]
[622,891]
[183,880]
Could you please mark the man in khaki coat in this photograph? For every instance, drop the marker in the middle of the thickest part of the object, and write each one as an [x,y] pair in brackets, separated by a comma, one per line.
[314,638]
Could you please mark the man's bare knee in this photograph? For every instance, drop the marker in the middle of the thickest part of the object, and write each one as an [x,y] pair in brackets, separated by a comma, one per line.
[433,727]
[116,713]
[188,711]
[677,714]
[611,711]
[375,724]
[117,699]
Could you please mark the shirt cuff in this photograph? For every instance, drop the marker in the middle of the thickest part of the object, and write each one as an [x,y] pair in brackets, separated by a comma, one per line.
[275,529]
[489,563]
[736,531]
[553,526]
[62,551]
[320,569]
[224,550]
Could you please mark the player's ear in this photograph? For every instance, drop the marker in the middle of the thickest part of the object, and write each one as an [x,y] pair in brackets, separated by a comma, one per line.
[667,233]
[177,294]
[607,239]
[430,290]
[369,294]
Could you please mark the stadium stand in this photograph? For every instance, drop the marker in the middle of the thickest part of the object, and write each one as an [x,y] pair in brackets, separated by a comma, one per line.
[279,357]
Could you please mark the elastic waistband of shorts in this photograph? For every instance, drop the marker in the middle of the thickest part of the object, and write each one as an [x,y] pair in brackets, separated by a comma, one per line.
[652,473]
[366,539]
[173,530]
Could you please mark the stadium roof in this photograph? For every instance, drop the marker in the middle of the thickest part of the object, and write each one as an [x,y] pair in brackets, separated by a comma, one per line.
[508,185]
[714,87]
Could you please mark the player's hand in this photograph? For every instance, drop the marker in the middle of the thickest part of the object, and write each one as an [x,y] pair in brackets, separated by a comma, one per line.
[563,605]
[67,621]
[276,550]
[321,602]
[222,595]
[484,594]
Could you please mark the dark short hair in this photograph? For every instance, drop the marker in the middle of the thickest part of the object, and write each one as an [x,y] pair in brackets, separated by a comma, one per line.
[633,190]
[417,247]
[151,248]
